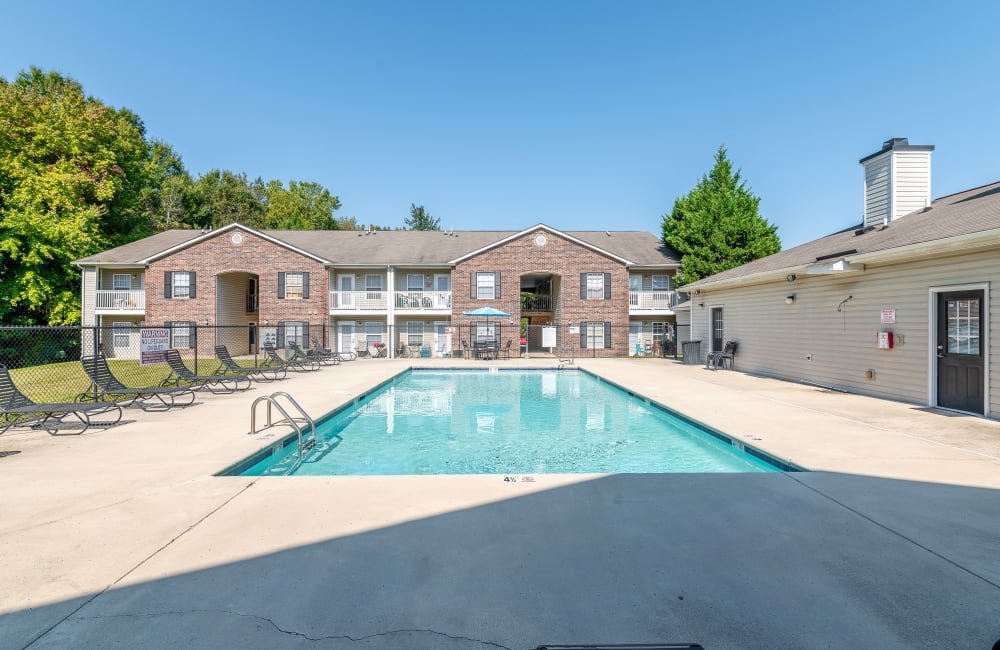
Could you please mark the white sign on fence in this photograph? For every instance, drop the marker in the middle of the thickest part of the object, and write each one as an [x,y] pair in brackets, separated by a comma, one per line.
[153,345]
[548,337]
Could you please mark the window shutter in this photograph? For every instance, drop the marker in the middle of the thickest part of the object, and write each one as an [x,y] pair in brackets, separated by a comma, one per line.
[193,332]
[607,286]
[305,335]
[193,277]
[496,284]
[168,284]
[474,276]
[281,285]
[305,284]
[607,335]
[281,330]
[583,336]
[583,286]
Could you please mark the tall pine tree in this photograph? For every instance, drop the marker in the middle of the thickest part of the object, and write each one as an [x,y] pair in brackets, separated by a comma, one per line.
[717,226]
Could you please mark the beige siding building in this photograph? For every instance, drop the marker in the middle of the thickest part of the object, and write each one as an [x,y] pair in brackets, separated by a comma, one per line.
[898,307]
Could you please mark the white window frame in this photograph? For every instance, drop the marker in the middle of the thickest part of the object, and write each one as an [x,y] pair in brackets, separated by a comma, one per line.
[371,335]
[294,332]
[121,333]
[294,281]
[486,285]
[595,286]
[126,285]
[414,282]
[180,333]
[180,284]
[415,333]
[663,280]
[593,335]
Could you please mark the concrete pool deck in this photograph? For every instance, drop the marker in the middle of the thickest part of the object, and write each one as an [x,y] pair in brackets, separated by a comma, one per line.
[124,538]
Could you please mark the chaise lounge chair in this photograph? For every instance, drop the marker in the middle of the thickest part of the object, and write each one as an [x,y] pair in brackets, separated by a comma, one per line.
[227,364]
[310,357]
[106,386]
[319,350]
[297,362]
[16,407]
[213,383]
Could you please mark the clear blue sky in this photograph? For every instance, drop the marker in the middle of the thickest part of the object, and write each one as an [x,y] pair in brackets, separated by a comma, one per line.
[581,115]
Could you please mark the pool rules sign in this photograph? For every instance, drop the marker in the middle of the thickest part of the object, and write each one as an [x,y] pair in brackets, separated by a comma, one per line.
[153,345]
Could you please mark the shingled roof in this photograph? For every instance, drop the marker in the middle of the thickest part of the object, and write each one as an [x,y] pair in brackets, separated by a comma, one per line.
[383,247]
[972,212]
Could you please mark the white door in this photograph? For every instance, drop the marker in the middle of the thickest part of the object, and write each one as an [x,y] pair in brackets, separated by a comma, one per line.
[634,339]
[345,337]
[346,288]
[442,291]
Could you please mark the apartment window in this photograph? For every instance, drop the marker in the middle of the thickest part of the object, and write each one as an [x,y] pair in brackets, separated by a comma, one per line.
[659,330]
[293,285]
[373,333]
[595,286]
[484,331]
[595,335]
[121,282]
[661,283]
[414,282]
[486,285]
[415,333]
[180,334]
[179,284]
[120,331]
[373,285]
[295,333]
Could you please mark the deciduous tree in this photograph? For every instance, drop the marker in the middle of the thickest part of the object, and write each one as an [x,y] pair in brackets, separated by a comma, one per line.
[420,219]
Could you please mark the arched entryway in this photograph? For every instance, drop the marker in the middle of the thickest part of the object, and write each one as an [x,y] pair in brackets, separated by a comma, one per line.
[540,311]
[237,305]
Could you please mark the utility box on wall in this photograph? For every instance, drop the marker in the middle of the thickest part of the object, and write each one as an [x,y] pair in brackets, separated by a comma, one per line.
[883,340]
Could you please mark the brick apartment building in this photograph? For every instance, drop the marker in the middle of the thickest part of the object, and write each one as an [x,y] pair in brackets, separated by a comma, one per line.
[607,292]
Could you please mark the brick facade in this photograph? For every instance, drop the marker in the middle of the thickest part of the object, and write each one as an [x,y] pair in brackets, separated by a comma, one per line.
[220,255]
[561,258]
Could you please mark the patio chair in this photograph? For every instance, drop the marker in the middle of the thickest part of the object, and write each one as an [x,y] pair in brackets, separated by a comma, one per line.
[309,358]
[504,352]
[718,359]
[376,351]
[227,364]
[105,385]
[217,384]
[16,407]
[297,361]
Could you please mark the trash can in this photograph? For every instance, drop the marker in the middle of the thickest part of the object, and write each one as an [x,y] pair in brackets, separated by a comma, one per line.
[692,353]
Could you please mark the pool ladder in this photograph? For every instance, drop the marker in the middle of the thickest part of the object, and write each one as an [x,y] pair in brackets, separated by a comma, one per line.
[295,422]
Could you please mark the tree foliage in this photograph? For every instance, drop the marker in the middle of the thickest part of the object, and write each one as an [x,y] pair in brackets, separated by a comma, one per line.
[72,172]
[717,226]
[420,219]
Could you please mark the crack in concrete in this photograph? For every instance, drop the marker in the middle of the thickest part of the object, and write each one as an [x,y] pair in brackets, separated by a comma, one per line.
[330,637]
[895,532]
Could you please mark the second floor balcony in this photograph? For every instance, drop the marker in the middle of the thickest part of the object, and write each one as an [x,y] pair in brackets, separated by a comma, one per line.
[535,302]
[120,301]
[359,301]
[651,301]
[423,300]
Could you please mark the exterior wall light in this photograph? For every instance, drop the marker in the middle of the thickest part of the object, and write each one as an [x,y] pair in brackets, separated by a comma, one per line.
[789,299]
[790,277]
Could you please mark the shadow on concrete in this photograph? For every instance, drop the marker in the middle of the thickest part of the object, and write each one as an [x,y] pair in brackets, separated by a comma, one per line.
[810,560]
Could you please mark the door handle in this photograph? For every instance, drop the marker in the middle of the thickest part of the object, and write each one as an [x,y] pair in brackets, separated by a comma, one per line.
[940,352]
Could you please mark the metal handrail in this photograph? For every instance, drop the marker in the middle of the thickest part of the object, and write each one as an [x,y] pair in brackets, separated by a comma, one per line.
[292,421]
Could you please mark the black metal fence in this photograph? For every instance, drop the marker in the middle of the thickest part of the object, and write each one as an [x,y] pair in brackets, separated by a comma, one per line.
[44,361]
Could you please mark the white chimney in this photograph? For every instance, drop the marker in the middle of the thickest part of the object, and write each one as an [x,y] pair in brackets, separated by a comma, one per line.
[897,180]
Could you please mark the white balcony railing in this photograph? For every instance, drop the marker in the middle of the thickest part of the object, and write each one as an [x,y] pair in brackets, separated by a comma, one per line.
[423,300]
[651,300]
[358,300]
[120,300]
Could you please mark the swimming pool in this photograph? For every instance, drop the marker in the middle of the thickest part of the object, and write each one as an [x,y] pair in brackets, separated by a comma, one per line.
[507,422]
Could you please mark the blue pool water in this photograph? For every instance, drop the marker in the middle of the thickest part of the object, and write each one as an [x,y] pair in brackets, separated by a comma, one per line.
[509,422]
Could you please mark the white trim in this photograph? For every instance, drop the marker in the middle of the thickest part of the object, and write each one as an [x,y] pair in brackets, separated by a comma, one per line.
[932,321]
[549,229]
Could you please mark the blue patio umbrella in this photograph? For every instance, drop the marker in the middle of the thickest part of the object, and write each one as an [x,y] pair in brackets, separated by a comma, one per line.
[486,312]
